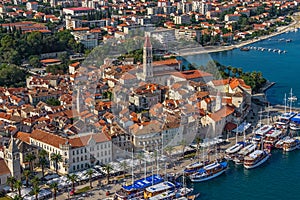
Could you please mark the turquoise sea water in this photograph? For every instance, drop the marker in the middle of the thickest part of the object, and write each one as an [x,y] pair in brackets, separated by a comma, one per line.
[284,69]
[278,178]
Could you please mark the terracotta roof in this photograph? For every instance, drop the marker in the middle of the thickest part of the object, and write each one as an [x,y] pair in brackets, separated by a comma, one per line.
[166,62]
[48,138]
[192,74]
[51,60]
[222,113]
[220,82]
[3,167]
[25,137]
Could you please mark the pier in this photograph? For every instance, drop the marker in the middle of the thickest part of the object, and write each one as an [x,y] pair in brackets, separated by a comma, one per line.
[267,86]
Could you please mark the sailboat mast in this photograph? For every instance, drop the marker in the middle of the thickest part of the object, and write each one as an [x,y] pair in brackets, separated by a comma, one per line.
[145,162]
[132,173]
[291,100]
[285,103]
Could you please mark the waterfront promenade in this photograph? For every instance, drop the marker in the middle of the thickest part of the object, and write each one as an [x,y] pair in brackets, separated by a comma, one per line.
[213,49]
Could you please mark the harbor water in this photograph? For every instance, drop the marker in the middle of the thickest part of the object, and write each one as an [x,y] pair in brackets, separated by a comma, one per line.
[282,68]
[278,177]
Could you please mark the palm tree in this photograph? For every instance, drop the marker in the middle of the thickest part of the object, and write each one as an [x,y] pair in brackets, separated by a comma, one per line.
[17,197]
[26,174]
[56,158]
[54,187]
[124,167]
[43,160]
[11,181]
[198,140]
[30,158]
[183,143]
[140,157]
[90,172]
[73,178]
[18,186]
[107,168]
[35,181]
[36,190]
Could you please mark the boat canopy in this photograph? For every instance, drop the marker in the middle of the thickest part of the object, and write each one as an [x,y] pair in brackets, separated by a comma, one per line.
[242,127]
[296,119]
[144,183]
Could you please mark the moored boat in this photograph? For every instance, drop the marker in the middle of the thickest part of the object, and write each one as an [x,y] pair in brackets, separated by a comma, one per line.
[136,190]
[245,49]
[193,167]
[263,130]
[279,144]
[255,159]
[235,148]
[209,172]
[290,144]
[160,191]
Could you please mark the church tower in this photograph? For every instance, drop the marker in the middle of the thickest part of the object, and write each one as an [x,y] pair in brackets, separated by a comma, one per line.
[147,59]
[12,159]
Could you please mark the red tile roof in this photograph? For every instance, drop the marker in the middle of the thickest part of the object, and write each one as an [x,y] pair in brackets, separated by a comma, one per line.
[3,167]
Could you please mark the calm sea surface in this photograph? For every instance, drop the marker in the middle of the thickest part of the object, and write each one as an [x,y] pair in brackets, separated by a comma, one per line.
[278,178]
[284,69]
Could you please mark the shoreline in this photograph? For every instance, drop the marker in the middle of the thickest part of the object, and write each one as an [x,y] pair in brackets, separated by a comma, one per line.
[215,49]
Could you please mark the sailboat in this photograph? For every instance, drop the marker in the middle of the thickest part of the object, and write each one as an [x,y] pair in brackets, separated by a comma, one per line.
[184,190]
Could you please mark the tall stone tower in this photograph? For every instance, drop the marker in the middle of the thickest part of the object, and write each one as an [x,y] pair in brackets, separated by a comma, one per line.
[218,102]
[147,59]
[12,159]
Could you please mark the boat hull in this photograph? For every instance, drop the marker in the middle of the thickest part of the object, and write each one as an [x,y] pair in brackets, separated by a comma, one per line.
[200,179]
[290,148]
[258,164]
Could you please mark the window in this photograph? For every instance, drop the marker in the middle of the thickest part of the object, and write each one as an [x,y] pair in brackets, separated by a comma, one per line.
[73,153]
[66,153]
[74,168]
[77,167]
[81,150]
[81,166]
[81,158]
[74,160]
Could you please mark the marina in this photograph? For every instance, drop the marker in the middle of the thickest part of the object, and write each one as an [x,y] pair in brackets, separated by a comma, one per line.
[248,48]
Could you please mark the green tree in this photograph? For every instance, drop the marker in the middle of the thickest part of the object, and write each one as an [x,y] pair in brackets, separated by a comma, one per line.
[107,168]
[27,174]
[54,187]
[124,167]
[56,158]
[183,143]
[34,61]
[36,190]
[18,186]
[11,182]
[30,158]
[73,178]
[90,173]
[53,102]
